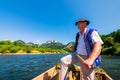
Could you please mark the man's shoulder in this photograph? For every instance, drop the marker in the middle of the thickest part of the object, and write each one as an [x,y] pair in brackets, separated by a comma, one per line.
[91,30]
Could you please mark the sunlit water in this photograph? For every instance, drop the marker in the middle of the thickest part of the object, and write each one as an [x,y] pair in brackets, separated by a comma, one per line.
[26,67]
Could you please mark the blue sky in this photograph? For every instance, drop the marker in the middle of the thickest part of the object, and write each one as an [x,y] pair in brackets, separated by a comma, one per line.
[38,21]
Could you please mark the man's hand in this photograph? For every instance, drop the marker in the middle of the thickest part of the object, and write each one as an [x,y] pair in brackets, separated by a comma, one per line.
[89,62]
[94,54]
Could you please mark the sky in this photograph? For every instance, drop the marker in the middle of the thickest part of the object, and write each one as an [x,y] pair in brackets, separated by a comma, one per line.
[38,21]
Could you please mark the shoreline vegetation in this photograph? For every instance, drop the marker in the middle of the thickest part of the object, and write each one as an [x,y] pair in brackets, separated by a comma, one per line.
[29,53]
[111,46]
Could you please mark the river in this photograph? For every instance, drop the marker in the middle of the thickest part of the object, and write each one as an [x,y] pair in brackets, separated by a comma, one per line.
[28,66]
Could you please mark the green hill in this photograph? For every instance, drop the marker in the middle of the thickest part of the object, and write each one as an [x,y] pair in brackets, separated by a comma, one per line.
[53,44]
[111,43]
[111,46]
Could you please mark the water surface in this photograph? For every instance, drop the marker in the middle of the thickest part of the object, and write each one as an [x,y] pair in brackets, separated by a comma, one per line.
[26,67]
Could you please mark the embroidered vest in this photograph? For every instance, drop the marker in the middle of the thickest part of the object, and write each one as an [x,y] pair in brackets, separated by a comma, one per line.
[89,46]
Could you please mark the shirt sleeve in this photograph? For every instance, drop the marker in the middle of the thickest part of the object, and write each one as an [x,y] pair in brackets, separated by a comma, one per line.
[96,38]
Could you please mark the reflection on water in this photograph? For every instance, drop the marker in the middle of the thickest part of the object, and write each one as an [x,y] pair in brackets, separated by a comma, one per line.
[26,67]
[111,65]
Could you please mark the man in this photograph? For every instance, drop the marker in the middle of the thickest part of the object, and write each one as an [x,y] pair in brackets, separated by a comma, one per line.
[82,50]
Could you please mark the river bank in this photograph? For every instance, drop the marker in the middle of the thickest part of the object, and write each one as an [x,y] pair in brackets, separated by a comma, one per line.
[30,53]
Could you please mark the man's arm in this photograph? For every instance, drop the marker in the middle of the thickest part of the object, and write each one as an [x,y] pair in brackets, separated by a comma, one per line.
[94,54]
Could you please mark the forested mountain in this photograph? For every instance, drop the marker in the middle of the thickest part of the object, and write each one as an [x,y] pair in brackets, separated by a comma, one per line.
[19,46]
[53,44]
[111,43]
[111,46]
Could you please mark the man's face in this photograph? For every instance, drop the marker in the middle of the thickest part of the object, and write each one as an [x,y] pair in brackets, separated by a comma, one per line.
[81,25]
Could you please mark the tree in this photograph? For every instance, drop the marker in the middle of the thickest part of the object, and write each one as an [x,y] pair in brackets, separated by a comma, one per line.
[117,37]
[4,49]
[54,45]
[19,43]
[14,49]
[5,42]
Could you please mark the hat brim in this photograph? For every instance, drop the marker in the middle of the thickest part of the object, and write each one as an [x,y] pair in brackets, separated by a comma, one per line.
[83,21]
